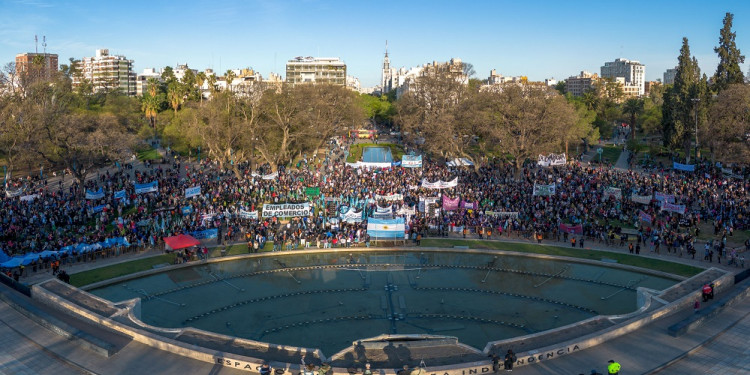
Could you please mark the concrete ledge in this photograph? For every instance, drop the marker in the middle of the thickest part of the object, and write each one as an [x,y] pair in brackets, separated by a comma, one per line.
[686,325]
[59,327]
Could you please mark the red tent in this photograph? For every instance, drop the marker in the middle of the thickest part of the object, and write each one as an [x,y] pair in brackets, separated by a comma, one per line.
[180,242]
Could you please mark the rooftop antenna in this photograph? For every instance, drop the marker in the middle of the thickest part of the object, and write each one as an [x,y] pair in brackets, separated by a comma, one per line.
[44,43]
[36,44]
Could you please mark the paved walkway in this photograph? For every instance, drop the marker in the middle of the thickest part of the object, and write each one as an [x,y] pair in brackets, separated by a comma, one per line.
[649,348]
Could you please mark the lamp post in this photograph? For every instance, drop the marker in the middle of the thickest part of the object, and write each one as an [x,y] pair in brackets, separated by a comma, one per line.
[695,109]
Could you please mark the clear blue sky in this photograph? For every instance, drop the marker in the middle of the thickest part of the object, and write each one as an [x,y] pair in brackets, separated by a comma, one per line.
[540,39]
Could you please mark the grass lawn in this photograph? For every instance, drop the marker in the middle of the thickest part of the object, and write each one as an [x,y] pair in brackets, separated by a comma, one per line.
[610,154]
[736,240]
[355,151]
[148,153]
[631,260]
[121,269]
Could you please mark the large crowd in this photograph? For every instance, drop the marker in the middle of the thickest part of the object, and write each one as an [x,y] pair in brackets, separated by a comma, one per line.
[499,202]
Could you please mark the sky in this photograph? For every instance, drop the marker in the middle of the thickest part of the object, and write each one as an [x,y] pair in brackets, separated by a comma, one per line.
[538,39]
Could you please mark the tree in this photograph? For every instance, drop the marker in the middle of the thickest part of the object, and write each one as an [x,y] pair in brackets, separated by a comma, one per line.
[728,72]
[16,129]
[526,121]
[427,116]
[229,78]
[175,95]
[200,78]
[167,75]
[226,126]
[152,101]
[634,108]
[468,69]
[684,102]
[582,129]
[79,140]
[729,124]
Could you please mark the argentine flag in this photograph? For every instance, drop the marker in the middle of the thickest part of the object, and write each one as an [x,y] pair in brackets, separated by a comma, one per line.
[386,228]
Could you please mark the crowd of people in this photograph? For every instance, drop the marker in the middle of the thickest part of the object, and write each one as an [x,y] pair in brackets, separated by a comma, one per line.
[496,200]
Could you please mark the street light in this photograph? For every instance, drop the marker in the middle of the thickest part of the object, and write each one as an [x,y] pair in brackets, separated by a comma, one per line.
[695,109]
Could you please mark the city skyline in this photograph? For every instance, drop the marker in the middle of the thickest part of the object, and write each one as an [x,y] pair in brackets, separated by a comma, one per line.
[540,40]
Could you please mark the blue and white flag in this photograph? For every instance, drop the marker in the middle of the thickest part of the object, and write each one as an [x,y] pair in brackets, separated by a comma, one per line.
[386,228]
[99,194]
[192,191]
[683,167]
[205,234]
[147,188]
[120,194]
[187,210]
[99,208]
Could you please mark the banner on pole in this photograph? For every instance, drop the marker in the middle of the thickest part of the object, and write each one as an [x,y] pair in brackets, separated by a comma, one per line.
[572,229]
[544,190]
[147,188]
[391,197]
[683,167]
[99,194]
[450,204]
[612,192]
[29,198]
[671,207]
[248,214]
[502,214]
[469,205]
[287,210]
[439,184]
[424,202]
[644,217]
[642,199]
[661,197]
[312,191]
[552,160]
[411,161]
[193,191]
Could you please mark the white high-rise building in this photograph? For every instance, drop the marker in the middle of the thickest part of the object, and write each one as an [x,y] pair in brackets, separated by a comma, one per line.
[107,72]
[633,72]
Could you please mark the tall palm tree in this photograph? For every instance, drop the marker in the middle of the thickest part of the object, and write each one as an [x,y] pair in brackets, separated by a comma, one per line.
[229,77]
[634,108]
[200,78]
[150,102]
[176,95]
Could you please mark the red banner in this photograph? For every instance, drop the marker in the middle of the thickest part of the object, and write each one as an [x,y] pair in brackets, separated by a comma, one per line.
[574,229]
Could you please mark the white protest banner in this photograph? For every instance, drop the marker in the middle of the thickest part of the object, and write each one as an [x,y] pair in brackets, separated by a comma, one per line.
[392,197]
[408,211]
[439,184]
[501,214]
[552,160]
[192,191]
[248,214]
[15,193]
[99,194]
[671,207]
[29,198]
[120,194]
[383,212]
[287,210]
[544,190]
[352,216]
[612,192]
[642,199]
[147,188]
